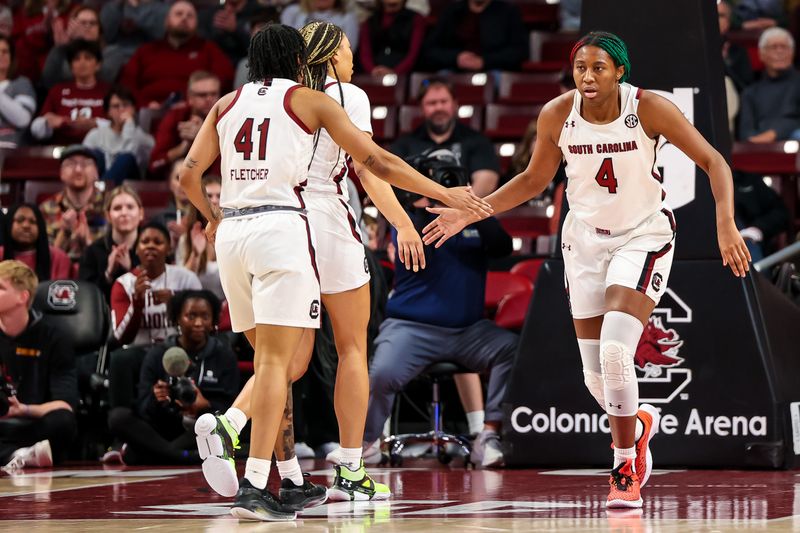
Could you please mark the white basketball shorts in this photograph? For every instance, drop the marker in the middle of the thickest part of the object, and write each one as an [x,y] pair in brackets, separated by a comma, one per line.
[268,270]
[595,259]
[340,253]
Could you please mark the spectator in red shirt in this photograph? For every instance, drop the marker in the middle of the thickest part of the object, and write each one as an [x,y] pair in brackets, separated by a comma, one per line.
[25,238]
[179,127]
[163,67]
[33,33]
[71,108]
[391,39]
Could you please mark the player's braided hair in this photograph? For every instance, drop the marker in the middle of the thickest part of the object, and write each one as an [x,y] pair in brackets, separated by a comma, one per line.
[323,40]
[277,51]
[613,45]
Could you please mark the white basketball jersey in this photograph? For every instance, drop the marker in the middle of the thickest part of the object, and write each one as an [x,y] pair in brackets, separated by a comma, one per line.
[330,163]
[612,180]
[264,146]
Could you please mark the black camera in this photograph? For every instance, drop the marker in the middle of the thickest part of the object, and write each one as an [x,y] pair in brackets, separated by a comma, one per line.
[438,164]
[182,389]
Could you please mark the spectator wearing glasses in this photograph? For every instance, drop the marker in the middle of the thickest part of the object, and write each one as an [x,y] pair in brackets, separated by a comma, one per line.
[179,127]
[74,215]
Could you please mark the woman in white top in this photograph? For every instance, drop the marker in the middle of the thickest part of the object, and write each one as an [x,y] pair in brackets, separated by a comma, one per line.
[619,235]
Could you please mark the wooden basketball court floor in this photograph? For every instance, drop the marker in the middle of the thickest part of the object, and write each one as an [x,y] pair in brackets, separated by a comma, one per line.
[427,497]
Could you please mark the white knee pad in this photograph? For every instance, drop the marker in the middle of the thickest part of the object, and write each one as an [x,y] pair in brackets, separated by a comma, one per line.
[592,376]
[618,340]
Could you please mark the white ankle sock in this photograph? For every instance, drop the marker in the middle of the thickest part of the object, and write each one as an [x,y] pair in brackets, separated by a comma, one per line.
[475,422]
[237,418]
[350,457]
[639,430]
[623,454]
[290,469]
[256,471]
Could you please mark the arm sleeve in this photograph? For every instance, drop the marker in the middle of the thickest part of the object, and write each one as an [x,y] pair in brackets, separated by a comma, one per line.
[125,314]
[63,376]
[17,110]
[494,239]
[417,37]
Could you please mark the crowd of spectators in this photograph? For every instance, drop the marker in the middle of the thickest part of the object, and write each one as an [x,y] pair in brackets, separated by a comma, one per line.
[125,85]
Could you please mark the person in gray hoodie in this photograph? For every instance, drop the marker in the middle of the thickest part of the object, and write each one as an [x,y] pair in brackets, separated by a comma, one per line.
[125,146]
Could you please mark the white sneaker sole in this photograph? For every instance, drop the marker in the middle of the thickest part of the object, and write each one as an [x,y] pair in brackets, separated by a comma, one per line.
[624,504]
[337,495]
[653,412]
[219,473]
[245,514]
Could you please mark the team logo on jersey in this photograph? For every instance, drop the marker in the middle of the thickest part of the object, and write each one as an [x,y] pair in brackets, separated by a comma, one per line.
[657,279]
[631,121]
[62,295]
[314,311]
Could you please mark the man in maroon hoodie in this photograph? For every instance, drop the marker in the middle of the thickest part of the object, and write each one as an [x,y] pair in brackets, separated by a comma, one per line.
[162,67]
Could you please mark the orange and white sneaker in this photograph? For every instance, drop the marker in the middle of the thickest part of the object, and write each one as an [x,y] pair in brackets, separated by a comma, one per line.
[624,492]
[650,419]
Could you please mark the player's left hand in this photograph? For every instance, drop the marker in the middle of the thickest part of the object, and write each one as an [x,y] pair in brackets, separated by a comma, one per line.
[733,249]
[410,249]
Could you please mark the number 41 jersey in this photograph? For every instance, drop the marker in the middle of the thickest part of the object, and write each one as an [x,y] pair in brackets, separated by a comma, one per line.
[613,183]
[265,148]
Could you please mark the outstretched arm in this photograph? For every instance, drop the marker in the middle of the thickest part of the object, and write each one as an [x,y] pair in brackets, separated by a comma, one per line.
[526,185]
[318,110]
[659,116]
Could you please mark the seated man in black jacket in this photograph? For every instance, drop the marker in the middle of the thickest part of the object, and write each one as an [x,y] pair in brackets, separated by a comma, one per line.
[156,433]
[37,368]
[435,315]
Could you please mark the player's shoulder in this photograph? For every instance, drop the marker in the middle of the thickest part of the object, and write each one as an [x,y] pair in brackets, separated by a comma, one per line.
[351,92]
[558,109]
[651,99]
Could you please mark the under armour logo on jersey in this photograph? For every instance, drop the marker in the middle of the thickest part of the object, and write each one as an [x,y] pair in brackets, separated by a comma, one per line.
[314,311]
[569,123]
[619,406]
[565,246]
[631,121]
[366,266]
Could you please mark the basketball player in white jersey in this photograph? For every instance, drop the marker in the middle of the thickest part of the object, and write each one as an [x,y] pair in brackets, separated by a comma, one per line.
[344,284]
[618,238]
[264,244]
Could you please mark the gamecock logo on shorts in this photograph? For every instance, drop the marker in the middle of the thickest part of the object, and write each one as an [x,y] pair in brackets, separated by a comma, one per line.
[314,311]
[659,365]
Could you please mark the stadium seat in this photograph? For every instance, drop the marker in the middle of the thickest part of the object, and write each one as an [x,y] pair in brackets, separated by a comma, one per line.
[37,191]
[79,309]
[528,268]
[512,310]
[389,90]
[411,117]
[504,153]
[557,47]
[470,88]
[509,122]
[384,123]
[529,88]
[31,162]
[539,14]
[501,284]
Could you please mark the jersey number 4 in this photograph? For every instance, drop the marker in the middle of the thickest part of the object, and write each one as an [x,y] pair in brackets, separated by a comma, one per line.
[243,142]
[605,176]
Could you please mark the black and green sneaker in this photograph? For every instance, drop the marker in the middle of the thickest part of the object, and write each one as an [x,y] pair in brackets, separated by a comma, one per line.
[216,443]
[349,486]
[256,504]
[302,497]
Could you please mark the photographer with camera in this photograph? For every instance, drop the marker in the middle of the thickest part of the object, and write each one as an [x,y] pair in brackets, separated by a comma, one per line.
[185,376]
[38,381]
[436,314]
